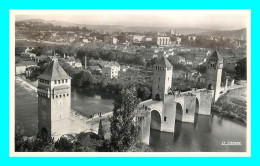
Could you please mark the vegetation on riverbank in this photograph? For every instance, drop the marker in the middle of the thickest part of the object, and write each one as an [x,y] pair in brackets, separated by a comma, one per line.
[233,105]
[125,134]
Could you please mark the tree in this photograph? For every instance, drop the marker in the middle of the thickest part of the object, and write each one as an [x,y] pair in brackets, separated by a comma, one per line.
[63,145]
[124,133]
[84,79]
[100,130]
[202,69]
[241,69]
[144,92]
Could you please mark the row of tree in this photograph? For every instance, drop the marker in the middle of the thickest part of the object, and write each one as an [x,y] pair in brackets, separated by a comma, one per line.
[111,55]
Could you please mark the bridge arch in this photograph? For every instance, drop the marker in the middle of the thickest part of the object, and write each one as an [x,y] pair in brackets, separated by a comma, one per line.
[210,87]
[157,97]
[156,120]
[179,111]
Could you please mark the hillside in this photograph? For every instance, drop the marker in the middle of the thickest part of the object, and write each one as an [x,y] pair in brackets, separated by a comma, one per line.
[235,34]
[120,28]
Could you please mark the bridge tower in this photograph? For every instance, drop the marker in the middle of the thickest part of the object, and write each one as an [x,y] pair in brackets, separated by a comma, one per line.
[214,74]
[162,78]
[54,101]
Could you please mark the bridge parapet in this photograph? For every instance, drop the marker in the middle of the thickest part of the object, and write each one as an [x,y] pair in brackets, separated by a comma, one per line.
[142,111]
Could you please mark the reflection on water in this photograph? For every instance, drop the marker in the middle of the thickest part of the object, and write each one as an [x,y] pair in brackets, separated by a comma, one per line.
[89,102]
[205,135]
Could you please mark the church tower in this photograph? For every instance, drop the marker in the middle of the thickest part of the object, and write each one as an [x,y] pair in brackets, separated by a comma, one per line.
[54,101]
[162,78]
[214,73]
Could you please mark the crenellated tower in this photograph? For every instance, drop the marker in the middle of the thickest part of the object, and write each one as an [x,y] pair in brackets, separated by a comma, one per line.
[214,74]
[162,78]
[54,101]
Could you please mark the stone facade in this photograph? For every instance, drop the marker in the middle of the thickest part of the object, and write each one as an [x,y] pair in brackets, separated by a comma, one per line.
[214,73]
[54,100]
[163,41]
[166,106]
[162,78]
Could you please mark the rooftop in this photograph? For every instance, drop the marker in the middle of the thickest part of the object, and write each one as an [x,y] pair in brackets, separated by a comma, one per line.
[163,61]
[54,72]
[216,55]
[25,63]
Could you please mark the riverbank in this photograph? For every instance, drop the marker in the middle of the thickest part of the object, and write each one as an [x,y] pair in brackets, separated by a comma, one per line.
[233,105]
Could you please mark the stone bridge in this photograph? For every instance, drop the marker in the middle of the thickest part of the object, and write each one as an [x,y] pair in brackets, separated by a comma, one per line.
[161,115]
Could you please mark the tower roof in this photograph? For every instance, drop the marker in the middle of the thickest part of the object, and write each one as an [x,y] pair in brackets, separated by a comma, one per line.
[216,55]
[163,61]
[54,72]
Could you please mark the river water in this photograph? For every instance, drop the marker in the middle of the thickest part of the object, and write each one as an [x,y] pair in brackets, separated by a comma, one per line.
[207,134]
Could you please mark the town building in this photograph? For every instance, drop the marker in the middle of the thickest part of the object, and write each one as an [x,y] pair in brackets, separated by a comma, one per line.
[95,69]
[23,66]
[110,71]
[179,74]
[73,62]
[110,40]
[202,79]
[163,41]
[198,61]
[172,32]
[135,38]
[27,55]
[85,41]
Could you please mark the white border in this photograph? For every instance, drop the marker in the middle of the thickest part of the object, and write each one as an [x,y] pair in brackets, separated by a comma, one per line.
[12,152]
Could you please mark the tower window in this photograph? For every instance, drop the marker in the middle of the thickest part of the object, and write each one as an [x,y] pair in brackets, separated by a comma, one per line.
[62,81]
[55,82]
[187,111]
[66,81]
[58,81]
[165,119]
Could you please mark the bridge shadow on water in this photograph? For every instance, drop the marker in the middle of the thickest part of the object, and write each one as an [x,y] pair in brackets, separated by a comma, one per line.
[187,136]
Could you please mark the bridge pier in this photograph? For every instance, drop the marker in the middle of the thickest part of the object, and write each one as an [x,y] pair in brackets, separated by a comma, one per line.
[161,115]
[145,129]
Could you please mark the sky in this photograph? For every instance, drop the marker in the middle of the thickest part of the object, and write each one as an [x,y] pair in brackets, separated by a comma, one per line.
[205,19]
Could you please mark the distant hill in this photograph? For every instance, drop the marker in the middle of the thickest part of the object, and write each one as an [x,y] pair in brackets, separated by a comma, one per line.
[235,34]
[120,28]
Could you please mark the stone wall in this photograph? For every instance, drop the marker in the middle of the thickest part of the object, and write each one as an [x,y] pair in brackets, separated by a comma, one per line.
[169,113]
[189,108]
[205,102]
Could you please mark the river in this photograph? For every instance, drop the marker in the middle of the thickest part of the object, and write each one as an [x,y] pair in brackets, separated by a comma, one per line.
[206,134]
